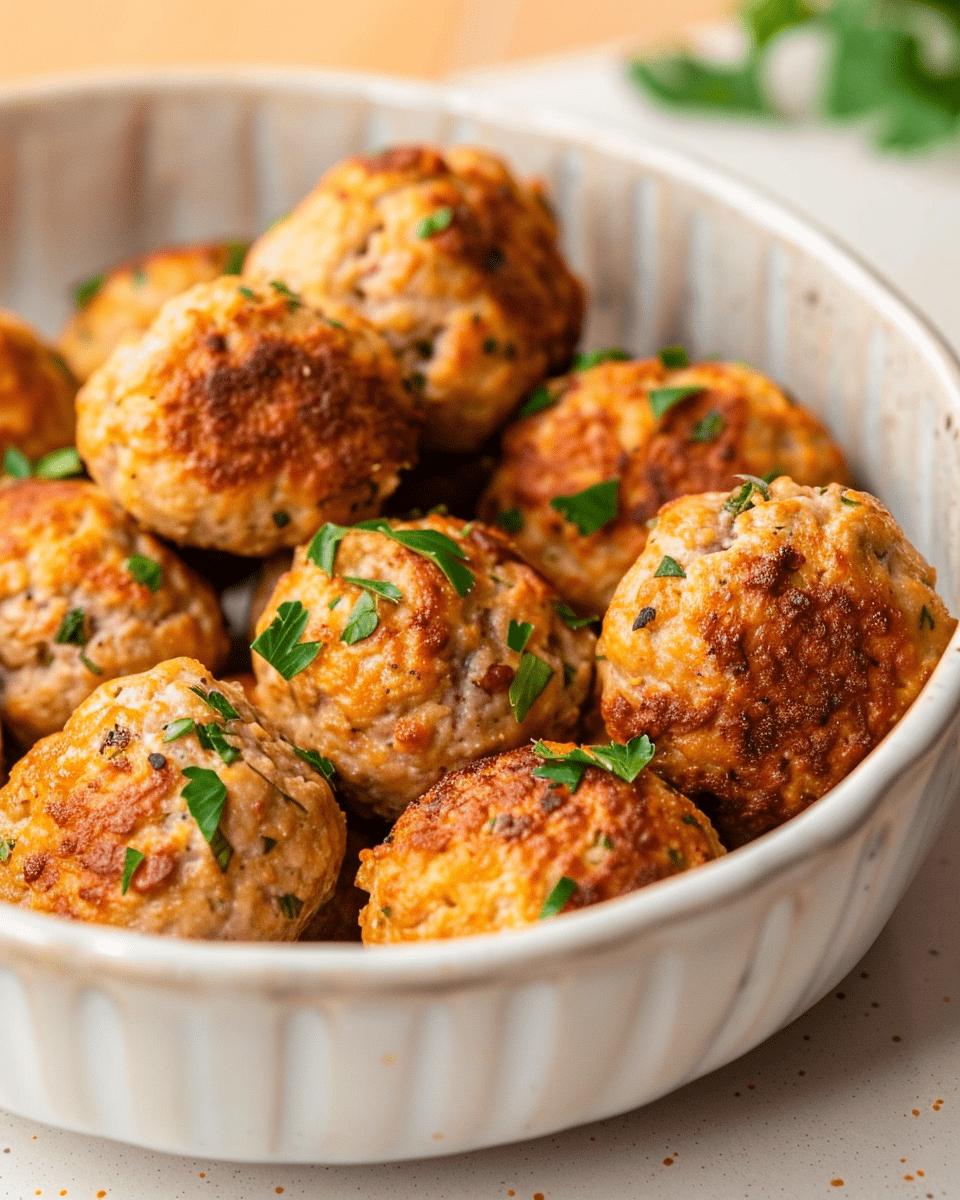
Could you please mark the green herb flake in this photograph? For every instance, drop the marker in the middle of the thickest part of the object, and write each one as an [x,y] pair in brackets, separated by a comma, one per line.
[926,618]
[604,842]
[436,222]
[6,848]
[663,399]
[532,676]
[361,622]
[72,631]
[212,738]
[569,674]
[380,587]
[708,428]
[625,761]
[278,644]
[132,859]
[669,568]
[518,634]
[59,464]
[290,905]
[673,357]
[268,844]
[323,765]
[293,300]
[590,509]
[562,891]
[218,702]
[146,571]
[236,253]
[510,520]
[206,795]
[569,617]
[676,858]
[567,768]
[84,292]
[387,912]
[16,464]
[850,502]
[249,294]
[333,603]
[442,551]
[741,498]
[323,546]
[687,819]
[178,729]
[91,666]
[281,519]
[540,399]
[593,358]
[490,345]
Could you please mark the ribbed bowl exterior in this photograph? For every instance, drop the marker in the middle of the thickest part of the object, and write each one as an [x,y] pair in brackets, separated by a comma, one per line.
[337,1054]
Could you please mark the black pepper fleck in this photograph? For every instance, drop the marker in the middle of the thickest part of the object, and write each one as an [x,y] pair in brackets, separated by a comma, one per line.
[644,617]
[157,761]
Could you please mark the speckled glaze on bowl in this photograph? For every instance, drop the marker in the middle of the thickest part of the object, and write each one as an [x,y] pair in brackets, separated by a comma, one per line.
[337,1054]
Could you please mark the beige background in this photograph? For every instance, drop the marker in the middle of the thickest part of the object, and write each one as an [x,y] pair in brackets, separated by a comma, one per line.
[427,38]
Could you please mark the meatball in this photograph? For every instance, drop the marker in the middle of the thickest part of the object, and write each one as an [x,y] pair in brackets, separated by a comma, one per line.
[243,419]
[767,645]
[126,299]
[36,392]
[417,674]
[457,265]
[85,596]
[493,847]
[602,428]
[167,805]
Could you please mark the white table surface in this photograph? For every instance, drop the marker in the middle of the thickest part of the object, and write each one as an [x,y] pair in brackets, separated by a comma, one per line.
[858,1098]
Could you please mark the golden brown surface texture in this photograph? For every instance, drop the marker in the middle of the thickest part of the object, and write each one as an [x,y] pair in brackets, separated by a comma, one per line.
[478,307]
[65,547]
[484,849]
[36,392]
[429,688]
[603,427]
[130,296]
[243,419]
[803,629]
[110,781]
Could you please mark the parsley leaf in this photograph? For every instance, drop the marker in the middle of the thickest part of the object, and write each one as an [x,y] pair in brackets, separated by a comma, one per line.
[562,891]
[442,551]
[850,502]
[59,464]
[218,702]
[178,729]
[669,567]
[206,795]
[146,571]
[626,762]
[281,519]
[436,222]
[593,358]
[6,848]
[566,768]
[569,617]
[532,676]
[518,634]
[236,253]
[674,356]
[741,499]
[510,520]
[290,905]
[663,399]
[317,761]
[72,631]
[323,546]
[293,300]
[212,738]
[590,509]
[361,622]
[16,464]
[926,618]
[278,644]
[131,860]
[538,400]
[84,292]
[249,294]
[389,591]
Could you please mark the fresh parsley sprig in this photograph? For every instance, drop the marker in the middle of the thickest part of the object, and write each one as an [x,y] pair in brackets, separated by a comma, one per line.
[323,765]
[435,222]
[206,796]
[362,621]
[532,676]
[518,634]
[593,358]
[624,761]
[146,571]
[590,509]
[442,551]
[58,464]
[131,860]
[570,618]
[280,645]
[562,890]
[73,632]
[663,399]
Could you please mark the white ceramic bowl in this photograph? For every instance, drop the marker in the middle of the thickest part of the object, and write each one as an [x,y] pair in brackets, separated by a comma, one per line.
[339,1054]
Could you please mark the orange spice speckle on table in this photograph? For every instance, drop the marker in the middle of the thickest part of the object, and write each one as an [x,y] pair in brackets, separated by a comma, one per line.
[836,1183]
[668,1162]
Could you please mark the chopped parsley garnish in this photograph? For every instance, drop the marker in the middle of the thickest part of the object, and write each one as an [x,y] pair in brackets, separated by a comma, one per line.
[569,617]
[362,620]
[593,358]
[510,520]
[16,464]
[323,546]
[333,603]
[490,345]
[59,464]
[146,571]
[389,591]
[290,905]
[178,729]
[236,253]
[741,499]
[436,222]
[279,643]
[442,551]
[211,737]
[590,509]
[218,702]
[563,889]
[687,819]
[281,519]
[84,292]
[131,860]
[663,399]
[206,795]
[6,848]
[624,761]
[669,567]
[708,428]
[926,618]
[532,676]
[387,912]
[249,294]
[643,618]
[540,399]
[91,666]
[674,356]
[565,768]
[293,300]
[518,634]
[676,858]
[317,761]
[850,502]
[569,674]
[72,631]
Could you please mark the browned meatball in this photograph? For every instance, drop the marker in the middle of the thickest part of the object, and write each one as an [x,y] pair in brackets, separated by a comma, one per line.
[603,429]
[126,299]
[767,650]
[453,261]
[36,392]
[418,679]
[493,847]
[85,595]
[243,419]
[115,819]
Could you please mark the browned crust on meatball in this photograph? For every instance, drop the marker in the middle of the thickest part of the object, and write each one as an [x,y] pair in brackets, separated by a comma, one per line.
[36,392]
[603,428]
[483,849]
[803,630]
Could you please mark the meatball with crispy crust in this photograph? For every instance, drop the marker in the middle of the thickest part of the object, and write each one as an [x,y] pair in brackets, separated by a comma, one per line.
[414,675]
[167,805]
[36,392]
[85,595]
[767,645]
[457,265]
[244,418]
[603,425]
[126,299]
[492,843]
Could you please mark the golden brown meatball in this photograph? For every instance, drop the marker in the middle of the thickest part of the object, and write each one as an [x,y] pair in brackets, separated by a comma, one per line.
[767,651]
[604,430]
[453,261]
[85,596]
[491,846]
[127,818]
[417,680]
[126,299]
[243,419]
[36,392]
